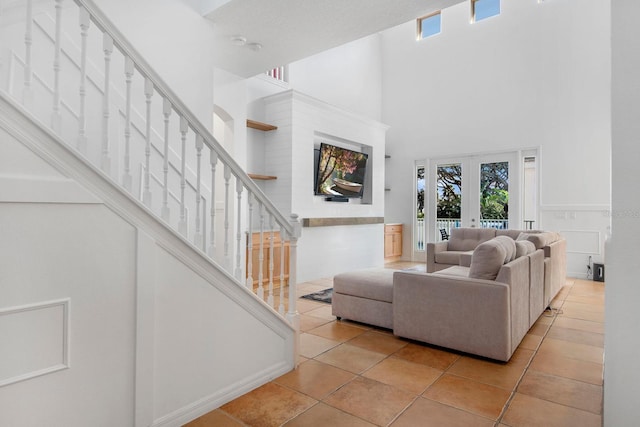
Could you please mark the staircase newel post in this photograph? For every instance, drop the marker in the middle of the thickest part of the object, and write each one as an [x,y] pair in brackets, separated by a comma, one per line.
[293,317]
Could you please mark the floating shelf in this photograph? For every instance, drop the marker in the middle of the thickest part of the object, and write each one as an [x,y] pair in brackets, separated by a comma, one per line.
[260,126]
[262,177]
[328,222]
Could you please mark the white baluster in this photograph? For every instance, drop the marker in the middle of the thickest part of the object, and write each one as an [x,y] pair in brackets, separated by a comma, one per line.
[271,225]
[238,271]
[166,111]
[282,254]
[260,291]
[227,177]
[146,193]
[107,47]
[249,283]
[212,239]
[85,22]
[197,239]
[56,118]
[127,180]
[27,91]
[184,127]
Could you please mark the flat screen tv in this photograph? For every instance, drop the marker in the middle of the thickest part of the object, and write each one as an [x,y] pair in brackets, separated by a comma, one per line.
[340,172]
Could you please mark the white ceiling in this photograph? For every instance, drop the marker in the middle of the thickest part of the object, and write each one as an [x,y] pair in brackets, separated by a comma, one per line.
[289,30]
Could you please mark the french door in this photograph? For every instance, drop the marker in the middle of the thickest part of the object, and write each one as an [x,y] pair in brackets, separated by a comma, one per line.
[474,191]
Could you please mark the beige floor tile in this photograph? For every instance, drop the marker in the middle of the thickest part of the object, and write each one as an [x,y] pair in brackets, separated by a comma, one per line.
[565,391]
[217,418]
[379,342]
[400,373]
[351,358]
[309,322]
[371,400]
[305,306]
[501,375]
[338,331]
[539,329]
[429,356]
[527,411]
[322,415]
[574,305]
[581,325]
[313,345]
[323,312]
[530,342]
[587,299]
[427,413]
[573,335]
[572,350]
[575,313]
[472,396]
[315,379]
[268,406]
[561,366]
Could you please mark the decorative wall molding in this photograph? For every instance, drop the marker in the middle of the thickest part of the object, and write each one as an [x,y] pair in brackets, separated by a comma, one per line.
[582,241]
[11,354]
[46,189]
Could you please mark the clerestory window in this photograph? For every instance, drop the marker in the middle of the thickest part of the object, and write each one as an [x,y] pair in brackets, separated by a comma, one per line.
[429,25]
[482,9]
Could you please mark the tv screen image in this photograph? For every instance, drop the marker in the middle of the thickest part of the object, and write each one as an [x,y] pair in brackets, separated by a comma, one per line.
[340,172]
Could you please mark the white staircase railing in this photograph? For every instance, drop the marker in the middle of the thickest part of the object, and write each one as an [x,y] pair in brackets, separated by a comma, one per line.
[83,79]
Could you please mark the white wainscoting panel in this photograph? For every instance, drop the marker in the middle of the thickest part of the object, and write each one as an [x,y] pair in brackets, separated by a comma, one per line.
[582,241]
[35,340]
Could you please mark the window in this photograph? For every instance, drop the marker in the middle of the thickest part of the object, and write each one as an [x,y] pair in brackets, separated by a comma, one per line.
[429,25]
[481,9]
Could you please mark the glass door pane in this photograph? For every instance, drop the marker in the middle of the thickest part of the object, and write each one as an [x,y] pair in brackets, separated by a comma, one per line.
[448,199]
[420,188]
[494,195]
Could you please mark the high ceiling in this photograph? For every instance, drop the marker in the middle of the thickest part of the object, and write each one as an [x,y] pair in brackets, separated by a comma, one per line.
[289,30]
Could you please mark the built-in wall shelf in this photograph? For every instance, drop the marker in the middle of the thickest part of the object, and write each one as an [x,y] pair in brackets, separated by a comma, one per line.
[328,222]
[259,177]
[260,126]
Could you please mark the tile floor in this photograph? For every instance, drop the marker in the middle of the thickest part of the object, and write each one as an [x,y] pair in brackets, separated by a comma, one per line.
[355,375]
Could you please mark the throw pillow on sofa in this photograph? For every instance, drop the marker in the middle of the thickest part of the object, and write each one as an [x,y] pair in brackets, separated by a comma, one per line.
[509,246]
[524,247]
[487,259]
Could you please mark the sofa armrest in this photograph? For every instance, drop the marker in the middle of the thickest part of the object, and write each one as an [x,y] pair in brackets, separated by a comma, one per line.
[470,315]
[432,249]
[465,259]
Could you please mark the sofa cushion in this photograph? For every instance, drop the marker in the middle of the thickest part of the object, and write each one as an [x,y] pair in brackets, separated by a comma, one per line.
[524,247]
[509,246]
[487,260]
[374,283]
[455,271]
[509,232]
[466,239]
[540,240]
[449,257]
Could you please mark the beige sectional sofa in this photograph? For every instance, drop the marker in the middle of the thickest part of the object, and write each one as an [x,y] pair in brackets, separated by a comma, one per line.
[484,305]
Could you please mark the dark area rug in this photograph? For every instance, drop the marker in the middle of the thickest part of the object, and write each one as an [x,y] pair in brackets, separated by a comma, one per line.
[320,296]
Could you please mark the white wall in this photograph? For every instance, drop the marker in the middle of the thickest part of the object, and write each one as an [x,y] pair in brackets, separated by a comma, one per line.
[176,41]
[622,342]
[348,76]
[536,76]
